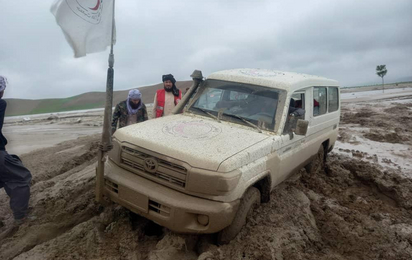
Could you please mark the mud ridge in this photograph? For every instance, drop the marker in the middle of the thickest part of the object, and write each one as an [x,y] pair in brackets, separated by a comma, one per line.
[353,210]
[53,161]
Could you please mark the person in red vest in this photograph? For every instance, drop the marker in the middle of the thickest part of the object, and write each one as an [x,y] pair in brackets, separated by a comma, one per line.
[167,98]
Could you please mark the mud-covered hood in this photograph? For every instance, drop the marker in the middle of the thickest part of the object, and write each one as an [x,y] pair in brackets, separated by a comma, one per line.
[198,141]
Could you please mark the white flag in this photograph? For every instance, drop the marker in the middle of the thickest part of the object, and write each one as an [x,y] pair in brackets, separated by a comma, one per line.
[86,24]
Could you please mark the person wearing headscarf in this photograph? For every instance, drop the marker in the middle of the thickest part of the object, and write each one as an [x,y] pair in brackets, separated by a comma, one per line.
[14,177]
[130,111]
[167,98]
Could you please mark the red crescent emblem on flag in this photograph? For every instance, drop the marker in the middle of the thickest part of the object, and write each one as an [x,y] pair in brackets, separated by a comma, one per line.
[83,10]
[96,7]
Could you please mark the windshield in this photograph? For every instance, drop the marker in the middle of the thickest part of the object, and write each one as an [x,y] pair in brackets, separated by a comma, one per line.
[240,103]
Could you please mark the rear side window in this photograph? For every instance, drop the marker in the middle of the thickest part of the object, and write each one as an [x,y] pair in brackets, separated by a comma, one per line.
[319,101]
[333,99]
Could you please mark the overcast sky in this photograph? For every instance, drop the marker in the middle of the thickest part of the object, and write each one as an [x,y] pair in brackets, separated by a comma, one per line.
[342,40]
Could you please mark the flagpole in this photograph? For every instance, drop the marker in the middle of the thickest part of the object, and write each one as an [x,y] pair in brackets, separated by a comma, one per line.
[106,144]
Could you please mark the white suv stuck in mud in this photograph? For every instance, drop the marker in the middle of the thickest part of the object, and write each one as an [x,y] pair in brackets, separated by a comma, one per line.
[232,139]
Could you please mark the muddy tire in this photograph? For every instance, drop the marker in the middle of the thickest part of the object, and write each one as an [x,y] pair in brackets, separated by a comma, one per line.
[318,163]
[250,200]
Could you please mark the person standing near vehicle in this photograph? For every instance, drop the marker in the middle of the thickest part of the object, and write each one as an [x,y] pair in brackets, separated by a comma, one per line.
[130,111]
[14,177]
[167,98]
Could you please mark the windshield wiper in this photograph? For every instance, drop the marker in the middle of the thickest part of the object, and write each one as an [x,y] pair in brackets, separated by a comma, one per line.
[207,113]
[245,120]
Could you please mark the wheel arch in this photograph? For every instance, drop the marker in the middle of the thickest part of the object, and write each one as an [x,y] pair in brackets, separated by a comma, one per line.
[264,186]
[325,148]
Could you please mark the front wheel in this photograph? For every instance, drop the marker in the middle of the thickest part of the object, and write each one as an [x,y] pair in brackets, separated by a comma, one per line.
[318,163]
[250,200]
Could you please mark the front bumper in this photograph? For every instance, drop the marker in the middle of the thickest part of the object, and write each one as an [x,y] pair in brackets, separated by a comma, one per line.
[167,207]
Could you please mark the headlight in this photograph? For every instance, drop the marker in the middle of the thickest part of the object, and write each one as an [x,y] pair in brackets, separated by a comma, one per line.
[212,183]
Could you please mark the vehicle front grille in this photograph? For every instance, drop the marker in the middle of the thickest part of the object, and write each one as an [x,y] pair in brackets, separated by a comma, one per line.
[164,170]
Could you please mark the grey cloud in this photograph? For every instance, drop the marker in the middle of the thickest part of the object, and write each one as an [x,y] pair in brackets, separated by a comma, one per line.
[344,40]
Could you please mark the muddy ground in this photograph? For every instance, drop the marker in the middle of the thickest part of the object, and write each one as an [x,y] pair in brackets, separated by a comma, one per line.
[359,207]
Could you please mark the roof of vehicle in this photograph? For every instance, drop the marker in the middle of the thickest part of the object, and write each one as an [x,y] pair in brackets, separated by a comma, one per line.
[289,81]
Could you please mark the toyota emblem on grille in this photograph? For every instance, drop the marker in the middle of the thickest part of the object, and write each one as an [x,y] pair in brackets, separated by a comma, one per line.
[150,165]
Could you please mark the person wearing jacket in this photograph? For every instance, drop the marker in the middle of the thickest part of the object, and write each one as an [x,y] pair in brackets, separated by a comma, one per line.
[130,111]
[167,98]
[14,177]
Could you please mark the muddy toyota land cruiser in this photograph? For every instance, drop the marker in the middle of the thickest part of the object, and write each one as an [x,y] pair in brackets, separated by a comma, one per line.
[231,140]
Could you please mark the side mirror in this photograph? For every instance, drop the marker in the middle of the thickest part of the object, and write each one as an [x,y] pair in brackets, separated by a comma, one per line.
[301,127]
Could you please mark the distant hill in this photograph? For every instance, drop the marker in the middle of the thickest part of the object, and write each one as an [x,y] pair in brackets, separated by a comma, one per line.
[90,100]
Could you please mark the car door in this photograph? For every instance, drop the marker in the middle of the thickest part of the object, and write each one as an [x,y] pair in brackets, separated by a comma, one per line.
[292,153]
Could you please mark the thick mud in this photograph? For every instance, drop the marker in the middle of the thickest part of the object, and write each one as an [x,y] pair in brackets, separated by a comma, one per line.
[353,209]
[392,125]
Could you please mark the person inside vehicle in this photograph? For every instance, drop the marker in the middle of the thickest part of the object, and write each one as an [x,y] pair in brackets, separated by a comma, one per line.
[298,103]
[296,110]
[315,107]
[294,113]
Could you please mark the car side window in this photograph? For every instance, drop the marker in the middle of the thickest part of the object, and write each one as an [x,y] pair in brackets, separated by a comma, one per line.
[333,99]
[319,101]
[298,101]
[296,111]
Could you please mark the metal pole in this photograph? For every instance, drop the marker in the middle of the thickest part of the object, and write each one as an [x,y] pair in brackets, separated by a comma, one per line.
[106,143]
